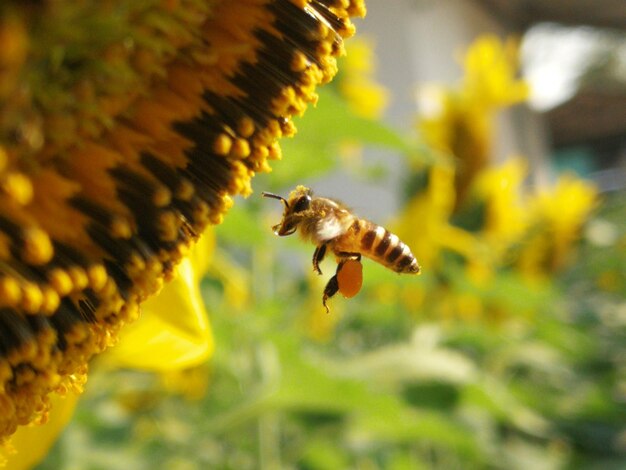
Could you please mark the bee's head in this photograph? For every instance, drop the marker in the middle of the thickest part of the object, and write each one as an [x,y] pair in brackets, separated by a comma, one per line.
[298,202]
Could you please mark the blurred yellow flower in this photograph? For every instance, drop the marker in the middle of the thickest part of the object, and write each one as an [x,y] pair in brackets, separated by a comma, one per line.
[425,222]
[469,220]
[435,121]
[491,70]
[556,216]
[499,189]
[459,122]
[426,215]
[366,97]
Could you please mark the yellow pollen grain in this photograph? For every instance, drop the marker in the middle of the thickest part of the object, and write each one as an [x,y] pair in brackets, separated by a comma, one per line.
[51,300]
[10,292]
[47,336]
[324,31]
[285,100]
[240,149]
[241,181]
[168,226]
[275,152]
[201,212]
[222,144]
[77,333]
[315,74]
[273,128]
[216,219]
[227,202]
[264,167]
[151,284]
[154,266]
[32,297]
[245,127]
[162,197]
[260,153]
[54,379]
[37,247]
[60,281]
[78,277]
[136,263]
[33,348]
[350,278]
[43,419]
[25,352]
[18,187]
[97,276]
[42,358]
[109,291]
[180,250]
[299,63]
[120,228]
[289,128]
[185,190]
[349,30]
[24,376]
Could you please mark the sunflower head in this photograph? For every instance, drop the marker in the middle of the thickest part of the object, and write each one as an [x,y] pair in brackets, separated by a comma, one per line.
[125,128]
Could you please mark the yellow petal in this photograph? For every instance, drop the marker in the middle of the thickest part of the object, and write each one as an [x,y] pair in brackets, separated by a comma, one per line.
[32,443]
[202,253]
[173,331]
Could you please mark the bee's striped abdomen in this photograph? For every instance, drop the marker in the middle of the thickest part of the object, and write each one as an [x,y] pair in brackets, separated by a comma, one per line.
[381,245]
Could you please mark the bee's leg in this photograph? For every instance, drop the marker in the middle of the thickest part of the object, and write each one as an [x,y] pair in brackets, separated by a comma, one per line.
[318,256]
[331,289]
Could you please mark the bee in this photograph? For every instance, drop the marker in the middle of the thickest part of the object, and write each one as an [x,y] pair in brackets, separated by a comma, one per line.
[330,225]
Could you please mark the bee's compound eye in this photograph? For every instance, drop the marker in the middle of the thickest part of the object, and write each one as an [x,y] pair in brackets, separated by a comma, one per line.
[302,204]
[350,278]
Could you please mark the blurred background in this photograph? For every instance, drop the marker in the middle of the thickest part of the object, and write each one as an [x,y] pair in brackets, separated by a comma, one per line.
[490,135]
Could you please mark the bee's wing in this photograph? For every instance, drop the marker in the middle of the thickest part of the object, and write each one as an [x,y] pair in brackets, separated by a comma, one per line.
[333,225]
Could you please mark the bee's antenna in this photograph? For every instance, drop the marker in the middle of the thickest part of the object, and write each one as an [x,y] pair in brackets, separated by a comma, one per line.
[276,196]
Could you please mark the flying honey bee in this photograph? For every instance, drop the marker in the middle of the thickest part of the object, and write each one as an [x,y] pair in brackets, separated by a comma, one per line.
[330,225]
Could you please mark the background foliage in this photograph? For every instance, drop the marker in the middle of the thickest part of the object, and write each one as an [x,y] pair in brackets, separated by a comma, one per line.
[508,352]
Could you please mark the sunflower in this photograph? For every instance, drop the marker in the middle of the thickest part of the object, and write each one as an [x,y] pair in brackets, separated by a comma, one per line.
[460,122]
[125,129]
